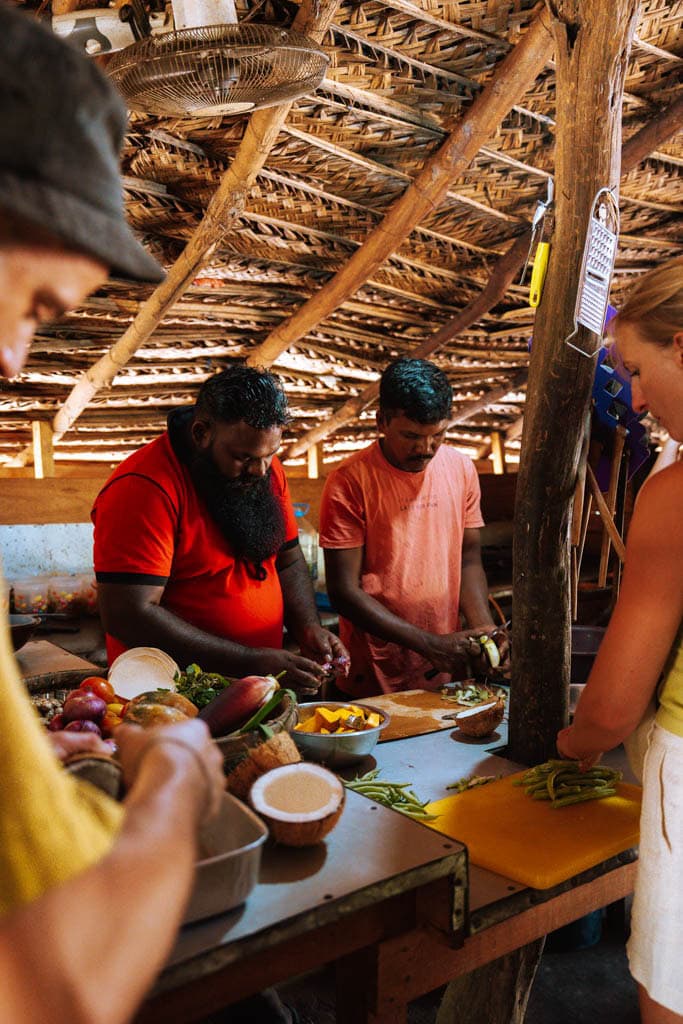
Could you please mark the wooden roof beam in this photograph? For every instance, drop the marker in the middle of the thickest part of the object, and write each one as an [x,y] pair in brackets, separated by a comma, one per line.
[496,287]
[657,130]
[513,79]
[666,124]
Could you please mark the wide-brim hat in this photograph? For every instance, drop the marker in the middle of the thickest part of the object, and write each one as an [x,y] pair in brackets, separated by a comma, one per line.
[62,125]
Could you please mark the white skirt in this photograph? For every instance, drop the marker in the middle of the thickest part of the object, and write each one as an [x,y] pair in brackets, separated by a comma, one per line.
[656,943]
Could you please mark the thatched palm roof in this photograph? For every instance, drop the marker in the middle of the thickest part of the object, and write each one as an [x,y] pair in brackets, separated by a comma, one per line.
[402,78]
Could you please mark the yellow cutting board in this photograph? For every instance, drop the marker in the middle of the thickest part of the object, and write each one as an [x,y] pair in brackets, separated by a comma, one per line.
[529,841]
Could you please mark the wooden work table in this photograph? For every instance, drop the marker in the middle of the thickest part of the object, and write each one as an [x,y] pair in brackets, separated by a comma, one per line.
[46,666]
[389,901]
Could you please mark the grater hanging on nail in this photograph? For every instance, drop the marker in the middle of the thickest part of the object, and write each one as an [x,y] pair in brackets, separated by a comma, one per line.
[597,267]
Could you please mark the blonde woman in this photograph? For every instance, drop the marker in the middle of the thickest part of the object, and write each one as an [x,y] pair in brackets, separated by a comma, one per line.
[642,651]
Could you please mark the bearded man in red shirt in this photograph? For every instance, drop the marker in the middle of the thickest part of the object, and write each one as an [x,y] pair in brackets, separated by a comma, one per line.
[196,542]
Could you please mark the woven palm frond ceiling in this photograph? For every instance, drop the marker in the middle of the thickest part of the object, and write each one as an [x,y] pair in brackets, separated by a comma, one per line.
[401,75]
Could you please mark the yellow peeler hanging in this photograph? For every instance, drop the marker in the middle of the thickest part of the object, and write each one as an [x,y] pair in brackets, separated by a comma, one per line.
[538,273]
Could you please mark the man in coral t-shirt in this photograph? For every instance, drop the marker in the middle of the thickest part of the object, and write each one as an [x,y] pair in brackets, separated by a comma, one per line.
[196,543]
[399,524]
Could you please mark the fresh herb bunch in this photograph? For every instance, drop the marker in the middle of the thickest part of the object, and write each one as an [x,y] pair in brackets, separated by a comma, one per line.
[200,687]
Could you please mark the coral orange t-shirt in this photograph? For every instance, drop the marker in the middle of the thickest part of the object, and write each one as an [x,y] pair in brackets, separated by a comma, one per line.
[152,527]
[411,527]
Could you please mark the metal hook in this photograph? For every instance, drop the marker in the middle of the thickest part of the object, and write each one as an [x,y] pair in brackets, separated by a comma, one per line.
[542,207]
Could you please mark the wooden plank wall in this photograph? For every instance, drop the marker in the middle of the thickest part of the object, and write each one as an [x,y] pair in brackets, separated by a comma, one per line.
[69,499]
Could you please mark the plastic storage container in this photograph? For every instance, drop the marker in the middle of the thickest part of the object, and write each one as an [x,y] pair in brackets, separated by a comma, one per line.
[30,595]
[86,586]
[308,538]
[585,643]
[64,594]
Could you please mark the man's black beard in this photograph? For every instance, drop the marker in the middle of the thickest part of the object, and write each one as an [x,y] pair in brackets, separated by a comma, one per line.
[248,514]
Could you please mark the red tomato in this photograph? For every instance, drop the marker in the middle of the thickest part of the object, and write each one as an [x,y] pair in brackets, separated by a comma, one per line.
[100,687]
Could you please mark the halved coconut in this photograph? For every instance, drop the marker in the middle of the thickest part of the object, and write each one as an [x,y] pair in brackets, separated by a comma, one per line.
[482,719]
[301,803]
[274,752]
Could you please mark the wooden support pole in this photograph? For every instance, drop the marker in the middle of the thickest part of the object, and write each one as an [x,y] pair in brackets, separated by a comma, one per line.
[314,458]
[592,46]
[43,451]
[498,452]
[606,515]
[514,77]
[577,517]
[615,469]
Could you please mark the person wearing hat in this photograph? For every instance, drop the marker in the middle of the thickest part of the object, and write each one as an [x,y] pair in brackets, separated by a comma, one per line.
[64,846]
[63,228]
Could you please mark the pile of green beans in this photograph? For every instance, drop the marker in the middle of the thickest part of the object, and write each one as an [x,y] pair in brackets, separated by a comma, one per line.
[563,782]
[396,795]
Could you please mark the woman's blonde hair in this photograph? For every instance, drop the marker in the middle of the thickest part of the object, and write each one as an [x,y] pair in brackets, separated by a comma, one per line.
[655,304]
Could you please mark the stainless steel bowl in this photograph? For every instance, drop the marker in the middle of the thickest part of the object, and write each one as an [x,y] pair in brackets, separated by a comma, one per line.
[337,750]
[22,628]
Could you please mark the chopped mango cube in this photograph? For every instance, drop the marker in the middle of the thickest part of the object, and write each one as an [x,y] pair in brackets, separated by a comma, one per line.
[309,725]
[372,720]
[327,717]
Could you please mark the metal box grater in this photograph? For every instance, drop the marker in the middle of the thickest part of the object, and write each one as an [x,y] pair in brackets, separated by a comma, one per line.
[597,265]
[599,257]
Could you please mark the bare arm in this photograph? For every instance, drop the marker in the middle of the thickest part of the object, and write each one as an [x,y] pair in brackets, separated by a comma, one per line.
[111,928]
[301,614]
[474,588]
[474,599]
[643,626]
[132,613]
[343,573]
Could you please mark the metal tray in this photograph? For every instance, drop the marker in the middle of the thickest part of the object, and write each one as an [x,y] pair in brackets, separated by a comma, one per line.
[230,847]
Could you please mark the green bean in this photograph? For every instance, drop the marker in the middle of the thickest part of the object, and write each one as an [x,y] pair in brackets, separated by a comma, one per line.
[577,798]
[563,782]
[395,795]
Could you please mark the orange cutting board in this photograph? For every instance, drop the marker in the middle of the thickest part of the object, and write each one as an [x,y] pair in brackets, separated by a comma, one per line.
[529,841]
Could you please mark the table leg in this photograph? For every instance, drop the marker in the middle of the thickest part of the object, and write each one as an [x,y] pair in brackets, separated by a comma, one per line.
[497,993]
[356,989]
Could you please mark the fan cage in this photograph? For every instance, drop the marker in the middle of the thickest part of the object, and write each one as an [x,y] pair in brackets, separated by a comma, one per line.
[217,69]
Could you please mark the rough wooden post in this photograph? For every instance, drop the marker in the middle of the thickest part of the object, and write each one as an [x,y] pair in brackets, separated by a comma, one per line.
[314,461]
[498,452]
[43,451]
[496,993]
[592,40]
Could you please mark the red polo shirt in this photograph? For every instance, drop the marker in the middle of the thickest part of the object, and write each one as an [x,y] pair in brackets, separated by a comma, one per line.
[153,528]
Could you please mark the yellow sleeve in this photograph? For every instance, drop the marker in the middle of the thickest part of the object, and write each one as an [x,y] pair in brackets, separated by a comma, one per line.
[51,825]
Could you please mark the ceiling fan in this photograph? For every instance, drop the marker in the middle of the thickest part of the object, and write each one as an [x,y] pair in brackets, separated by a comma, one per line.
[194,59]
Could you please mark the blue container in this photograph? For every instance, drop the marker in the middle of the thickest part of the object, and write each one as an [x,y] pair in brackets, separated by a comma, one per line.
[581,934]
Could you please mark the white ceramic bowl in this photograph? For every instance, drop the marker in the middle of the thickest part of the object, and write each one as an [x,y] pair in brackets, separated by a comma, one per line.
[337,750]
[230,851]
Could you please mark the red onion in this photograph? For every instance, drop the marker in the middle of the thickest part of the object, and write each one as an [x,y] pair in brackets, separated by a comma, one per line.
[82,725]
[86,706]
